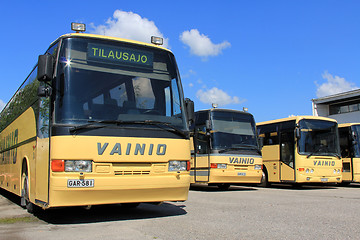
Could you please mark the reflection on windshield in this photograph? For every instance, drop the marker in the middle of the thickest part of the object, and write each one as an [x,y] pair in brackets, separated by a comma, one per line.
[318,137]
[356,130]
[232,131]
[90,89]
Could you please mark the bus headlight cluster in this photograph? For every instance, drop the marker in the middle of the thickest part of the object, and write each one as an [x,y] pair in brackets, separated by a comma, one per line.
[258,167]
[71,165]
[176,166]
[78,166]
[309,170]
[337,171]
[218,165]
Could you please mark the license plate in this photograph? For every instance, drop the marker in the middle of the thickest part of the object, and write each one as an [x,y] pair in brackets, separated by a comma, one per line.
[80,183]
[324,179]
[242,174]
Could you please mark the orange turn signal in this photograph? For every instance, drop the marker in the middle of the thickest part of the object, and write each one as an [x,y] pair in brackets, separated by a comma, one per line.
[58,165]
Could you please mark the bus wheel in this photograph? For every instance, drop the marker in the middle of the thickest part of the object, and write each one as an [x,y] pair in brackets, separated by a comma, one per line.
[264,180]
[25,200]
[224,186]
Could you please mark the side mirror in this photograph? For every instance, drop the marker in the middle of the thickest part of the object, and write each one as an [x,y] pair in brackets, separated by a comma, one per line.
[353,135]
[208,125]
[44,91]
[45,68]
[261,142]
[190,112]
[298,133]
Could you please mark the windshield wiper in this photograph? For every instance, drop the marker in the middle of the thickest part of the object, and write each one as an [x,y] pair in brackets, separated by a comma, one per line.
[335,155]
[162,125]
[316,151]
[90,125]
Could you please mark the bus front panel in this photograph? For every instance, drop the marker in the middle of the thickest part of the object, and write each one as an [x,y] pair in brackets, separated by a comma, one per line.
[126,170]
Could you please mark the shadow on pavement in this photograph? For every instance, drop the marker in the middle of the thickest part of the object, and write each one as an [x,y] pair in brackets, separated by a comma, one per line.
[101,213]
[302,186]
[107,213]
[205,188]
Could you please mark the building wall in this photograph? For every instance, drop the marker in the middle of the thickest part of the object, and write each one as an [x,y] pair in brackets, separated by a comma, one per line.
[346,117]
[322,110]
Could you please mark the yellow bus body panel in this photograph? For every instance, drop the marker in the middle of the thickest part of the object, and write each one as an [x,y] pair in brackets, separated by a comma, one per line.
[271,156]
[119,178]
[347,175]
[10,168]
[323,167]
[237,172]
[356,169]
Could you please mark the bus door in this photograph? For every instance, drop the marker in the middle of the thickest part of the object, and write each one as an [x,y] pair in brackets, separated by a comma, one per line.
[202,155]
[287,152]
[42,150]
[345,140]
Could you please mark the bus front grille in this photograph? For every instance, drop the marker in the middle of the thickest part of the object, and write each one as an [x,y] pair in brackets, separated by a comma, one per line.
[131,173]
[240,168]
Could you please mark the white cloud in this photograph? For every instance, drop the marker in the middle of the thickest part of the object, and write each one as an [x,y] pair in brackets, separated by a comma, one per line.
[201,45]
[129,25]
[333,85]
[191,84]
[2,104]
[188,74]
[215,95]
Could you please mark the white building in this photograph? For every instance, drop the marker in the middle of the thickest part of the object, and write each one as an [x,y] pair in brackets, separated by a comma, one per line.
[344,107]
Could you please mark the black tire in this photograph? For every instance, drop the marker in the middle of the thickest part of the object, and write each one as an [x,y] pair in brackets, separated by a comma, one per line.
[264,179]
[224,186]
[344,184]
[25,200]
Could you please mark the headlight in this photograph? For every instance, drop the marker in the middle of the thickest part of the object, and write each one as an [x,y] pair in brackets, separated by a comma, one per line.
[312,171]
[78,166]
[307,170]
[222,165]
[218,165]
[334,171]
[175,166]
[338,171]
[258,167]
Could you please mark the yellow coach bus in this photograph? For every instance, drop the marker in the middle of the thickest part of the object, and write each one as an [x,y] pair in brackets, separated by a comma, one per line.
[301,149]
[349,134]
[225,149]
[99,120]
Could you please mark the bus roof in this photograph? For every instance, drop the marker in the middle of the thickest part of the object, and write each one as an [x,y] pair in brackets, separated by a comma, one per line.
[348,124]
[223,110]
[297,119]
[86,35]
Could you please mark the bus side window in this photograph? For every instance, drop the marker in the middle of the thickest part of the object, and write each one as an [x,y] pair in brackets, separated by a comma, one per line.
[287,148]
[345,142]
[201,140]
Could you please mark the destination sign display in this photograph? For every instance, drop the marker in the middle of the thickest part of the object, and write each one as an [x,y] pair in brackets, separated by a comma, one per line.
[119,55]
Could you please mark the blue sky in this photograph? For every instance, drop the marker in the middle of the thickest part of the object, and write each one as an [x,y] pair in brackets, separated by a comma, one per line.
[272,57]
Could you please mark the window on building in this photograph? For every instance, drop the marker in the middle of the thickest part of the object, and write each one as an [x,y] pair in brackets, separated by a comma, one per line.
[346,107]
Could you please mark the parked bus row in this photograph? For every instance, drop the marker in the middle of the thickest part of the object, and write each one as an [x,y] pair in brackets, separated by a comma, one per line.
[103,120]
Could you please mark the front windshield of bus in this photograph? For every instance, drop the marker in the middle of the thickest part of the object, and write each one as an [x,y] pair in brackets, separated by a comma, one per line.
[318,137]
[100,80]
[356,146]
[233,130]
